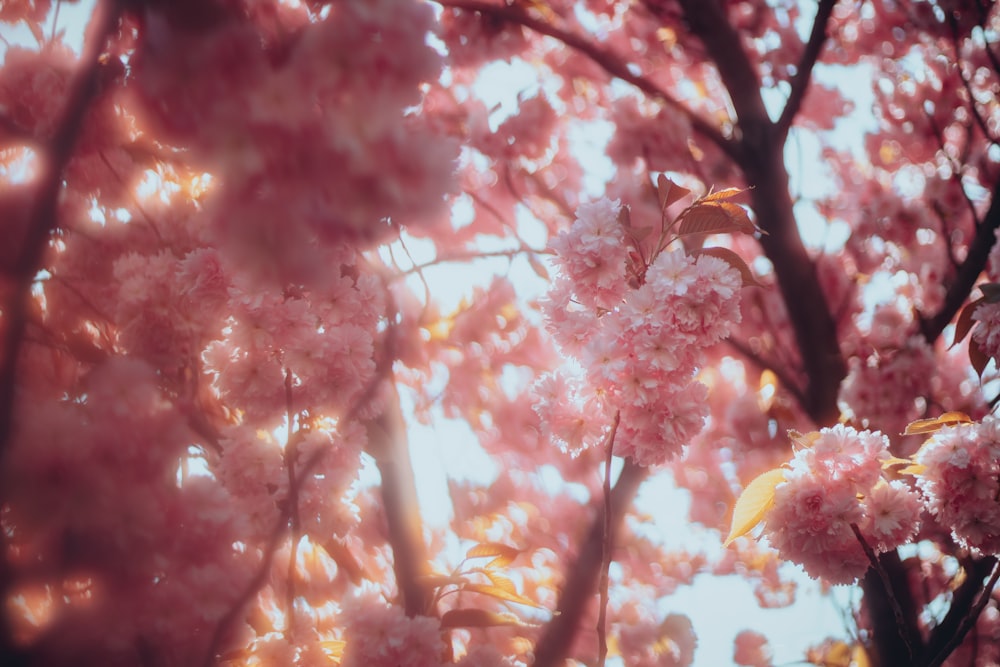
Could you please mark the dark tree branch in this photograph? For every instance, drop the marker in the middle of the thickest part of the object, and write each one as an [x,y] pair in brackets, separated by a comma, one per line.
[610,62]
[803,69]
[905,621]
[964,609]
[965,279]
[973,107]
[893,615]
[582,576]
[43,219]
[760,156]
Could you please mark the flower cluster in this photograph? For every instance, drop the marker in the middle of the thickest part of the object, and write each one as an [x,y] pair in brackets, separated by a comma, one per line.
[987,335]
[640,347]
[834,486]
[381,635]
[961,480]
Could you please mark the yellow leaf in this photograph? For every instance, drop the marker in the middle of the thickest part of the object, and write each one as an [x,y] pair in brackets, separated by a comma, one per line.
[935,424]
[501,594]
[502,553]
[803,440]
[860,656]
[895,461]
[725,193]
[754,503]
[914,470]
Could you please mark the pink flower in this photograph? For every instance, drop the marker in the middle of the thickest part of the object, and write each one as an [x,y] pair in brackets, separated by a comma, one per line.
[960,482]
[987,332]
[382,635]
[752,650]
[592,254]
[833,486]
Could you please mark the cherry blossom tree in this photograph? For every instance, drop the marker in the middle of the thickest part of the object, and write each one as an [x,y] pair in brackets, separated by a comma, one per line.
[222,221]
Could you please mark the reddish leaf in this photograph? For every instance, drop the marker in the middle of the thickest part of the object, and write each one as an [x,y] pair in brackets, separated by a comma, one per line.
[977,357]
[964,322]
[669,192]
[478,618]
[715,218]
[733,260]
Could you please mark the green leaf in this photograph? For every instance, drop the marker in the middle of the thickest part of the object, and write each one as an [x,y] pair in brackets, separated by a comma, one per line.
[754,503]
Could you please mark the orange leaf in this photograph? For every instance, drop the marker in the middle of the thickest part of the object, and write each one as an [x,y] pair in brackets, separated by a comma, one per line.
[501,593]
[478,618]
[501,582]
[669,192]
[503,554]
[733,260]
[754,503]
[715,218]
[936,423]
[725,193]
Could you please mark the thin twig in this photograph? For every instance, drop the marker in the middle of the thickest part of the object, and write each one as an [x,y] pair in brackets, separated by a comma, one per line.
[608,61]
[291,454]
[607,546]
[803,69]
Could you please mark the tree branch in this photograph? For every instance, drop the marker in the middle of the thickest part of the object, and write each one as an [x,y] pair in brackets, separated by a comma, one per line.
[975,261]
[964,609]
[803,69]
[42,220]
[760,157]
[582,575]
[388,444]
[893,613]
[607,60]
